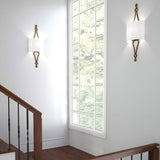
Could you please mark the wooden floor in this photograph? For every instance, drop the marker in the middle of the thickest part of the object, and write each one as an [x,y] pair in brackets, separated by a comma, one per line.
[60,153]
[65,153]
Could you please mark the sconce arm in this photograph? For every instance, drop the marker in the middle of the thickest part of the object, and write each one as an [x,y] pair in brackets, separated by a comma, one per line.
[135,44]
[136,13]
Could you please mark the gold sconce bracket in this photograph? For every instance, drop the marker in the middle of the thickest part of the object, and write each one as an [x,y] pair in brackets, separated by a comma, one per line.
[136,13]
[135,44]
[36,57]
[36,32]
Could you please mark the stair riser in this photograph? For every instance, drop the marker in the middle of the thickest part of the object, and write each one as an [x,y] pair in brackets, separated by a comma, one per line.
[8,156]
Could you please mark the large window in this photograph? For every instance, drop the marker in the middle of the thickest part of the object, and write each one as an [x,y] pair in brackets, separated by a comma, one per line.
[87,66]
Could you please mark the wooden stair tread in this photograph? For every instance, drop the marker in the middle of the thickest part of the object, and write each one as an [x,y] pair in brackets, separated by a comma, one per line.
[4,148]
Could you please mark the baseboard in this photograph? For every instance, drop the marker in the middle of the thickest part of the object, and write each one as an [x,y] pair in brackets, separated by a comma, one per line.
[47,144]
[57,142]
[90,150]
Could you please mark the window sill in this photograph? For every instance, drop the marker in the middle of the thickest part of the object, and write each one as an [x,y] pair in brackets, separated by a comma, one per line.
[88,131]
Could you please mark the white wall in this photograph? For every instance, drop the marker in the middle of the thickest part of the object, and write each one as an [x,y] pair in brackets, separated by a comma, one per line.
[133,100]
[45,87]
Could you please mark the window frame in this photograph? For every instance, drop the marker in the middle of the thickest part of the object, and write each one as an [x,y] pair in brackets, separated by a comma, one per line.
[70,77]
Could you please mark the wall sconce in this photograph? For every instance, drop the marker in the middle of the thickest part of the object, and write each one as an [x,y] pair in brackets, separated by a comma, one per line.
[36,46]
[135,32]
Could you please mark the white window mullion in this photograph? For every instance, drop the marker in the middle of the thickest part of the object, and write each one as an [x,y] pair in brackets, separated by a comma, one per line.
[95,72]
[87,3]
[79,65]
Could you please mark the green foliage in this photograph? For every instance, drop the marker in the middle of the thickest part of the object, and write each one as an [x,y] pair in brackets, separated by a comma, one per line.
[75,7]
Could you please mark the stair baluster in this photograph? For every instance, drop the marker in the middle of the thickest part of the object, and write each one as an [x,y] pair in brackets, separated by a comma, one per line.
[27,114]
[18,133]
[9,125]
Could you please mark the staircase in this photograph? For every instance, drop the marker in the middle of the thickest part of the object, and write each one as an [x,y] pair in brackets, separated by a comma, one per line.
[10,152]
[7,150]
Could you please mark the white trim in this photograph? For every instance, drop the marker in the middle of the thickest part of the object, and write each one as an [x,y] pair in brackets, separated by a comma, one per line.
[88,131]
[105,68]
[79,64]
[70,29]
[70,2]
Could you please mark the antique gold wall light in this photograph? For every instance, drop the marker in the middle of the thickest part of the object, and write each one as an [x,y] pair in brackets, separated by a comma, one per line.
[35,46]
[135,32]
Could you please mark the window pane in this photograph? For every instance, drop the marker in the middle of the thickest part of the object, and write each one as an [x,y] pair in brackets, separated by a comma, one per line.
[99,123]
[99,61]
[90,121]
[75,7]
[99,44]
[99,75]
[75,118]
[76,50]
[87,99]
[99,1]
[87,69]
[100,28]
[91,3]
[75,64]
[76,36]
[87,48]
[75,91]
[100,11]
[75,78]
[99,108]
[83,120]
[87,106]
[83,5]
[75,104]
[76,22]
[99,92]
